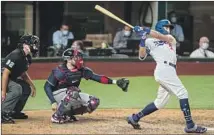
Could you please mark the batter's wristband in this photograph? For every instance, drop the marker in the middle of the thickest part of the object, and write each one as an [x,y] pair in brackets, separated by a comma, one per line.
[147,30]
[142,43]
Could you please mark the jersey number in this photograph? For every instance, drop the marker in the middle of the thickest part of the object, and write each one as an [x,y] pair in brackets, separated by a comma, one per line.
[10,63]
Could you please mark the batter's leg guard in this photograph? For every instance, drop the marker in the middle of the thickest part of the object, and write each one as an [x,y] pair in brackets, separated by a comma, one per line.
[150,108]
[184,105]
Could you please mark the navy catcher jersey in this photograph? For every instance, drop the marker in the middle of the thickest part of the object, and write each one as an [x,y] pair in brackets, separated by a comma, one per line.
[62,77]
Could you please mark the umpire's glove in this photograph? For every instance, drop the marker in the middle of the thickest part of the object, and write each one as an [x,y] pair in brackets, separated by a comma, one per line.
[123,83]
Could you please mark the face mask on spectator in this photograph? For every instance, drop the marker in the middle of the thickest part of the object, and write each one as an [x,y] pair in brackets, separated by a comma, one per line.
[65,32]
[174,19]
[127,33]
[204,46]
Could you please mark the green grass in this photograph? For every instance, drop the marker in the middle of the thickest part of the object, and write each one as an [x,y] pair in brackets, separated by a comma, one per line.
[142,91]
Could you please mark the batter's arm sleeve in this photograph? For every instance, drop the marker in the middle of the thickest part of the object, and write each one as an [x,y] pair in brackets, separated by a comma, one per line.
[142,50]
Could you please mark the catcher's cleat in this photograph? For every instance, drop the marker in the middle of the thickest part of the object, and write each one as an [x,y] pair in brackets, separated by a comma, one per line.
[69,118]
[196,129]
[58,119]
[73,118]
[6,119]
[134,124]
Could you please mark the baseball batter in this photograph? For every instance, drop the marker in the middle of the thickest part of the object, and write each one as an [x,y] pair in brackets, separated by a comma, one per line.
[62,88]
[162,47]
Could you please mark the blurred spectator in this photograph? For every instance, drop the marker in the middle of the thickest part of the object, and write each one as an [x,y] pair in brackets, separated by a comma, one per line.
[62,36]
[177,32]
[121,37]
[202,51]
[206,27]
[78,44]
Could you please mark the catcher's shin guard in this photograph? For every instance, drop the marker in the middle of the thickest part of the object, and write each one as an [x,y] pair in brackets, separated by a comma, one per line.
[93,103]
[71,101]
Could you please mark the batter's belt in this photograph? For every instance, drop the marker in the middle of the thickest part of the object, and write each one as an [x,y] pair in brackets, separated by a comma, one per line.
[170,64]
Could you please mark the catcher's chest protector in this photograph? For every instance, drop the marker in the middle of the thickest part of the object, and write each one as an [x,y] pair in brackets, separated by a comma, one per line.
[68,78]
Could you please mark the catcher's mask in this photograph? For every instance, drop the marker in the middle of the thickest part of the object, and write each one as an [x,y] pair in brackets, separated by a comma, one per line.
[32,41]
[74,54]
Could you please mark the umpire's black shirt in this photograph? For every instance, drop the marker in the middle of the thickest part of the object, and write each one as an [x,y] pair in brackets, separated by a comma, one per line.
[17,62]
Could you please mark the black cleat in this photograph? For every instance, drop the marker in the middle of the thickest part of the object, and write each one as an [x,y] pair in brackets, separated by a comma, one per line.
[6,119]
[19,115]
[134,124]
[196,129]
[73,118]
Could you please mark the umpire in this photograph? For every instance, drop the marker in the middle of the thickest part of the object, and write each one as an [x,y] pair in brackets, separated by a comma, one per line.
[16,83]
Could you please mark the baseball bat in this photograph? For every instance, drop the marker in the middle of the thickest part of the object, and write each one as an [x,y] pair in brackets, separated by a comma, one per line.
[108,13]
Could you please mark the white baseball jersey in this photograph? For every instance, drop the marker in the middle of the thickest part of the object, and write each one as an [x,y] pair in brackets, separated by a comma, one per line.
[165,74]
[161,51]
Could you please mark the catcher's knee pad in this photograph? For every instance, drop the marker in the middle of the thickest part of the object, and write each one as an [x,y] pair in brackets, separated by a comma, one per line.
[71,101]
[88,107]
[93,103]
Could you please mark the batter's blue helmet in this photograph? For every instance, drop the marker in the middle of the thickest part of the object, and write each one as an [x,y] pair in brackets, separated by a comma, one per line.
[163,23]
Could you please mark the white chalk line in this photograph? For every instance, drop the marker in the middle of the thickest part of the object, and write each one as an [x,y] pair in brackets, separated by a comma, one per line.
[210,129]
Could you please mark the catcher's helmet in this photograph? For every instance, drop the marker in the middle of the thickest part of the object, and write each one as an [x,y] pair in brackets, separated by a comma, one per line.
[76,54]
[161,24]
[31,40]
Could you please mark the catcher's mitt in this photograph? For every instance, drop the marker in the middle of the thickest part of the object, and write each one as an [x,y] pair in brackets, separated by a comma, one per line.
[123,83]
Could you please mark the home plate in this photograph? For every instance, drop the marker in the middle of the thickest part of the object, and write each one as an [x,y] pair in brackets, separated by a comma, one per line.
[210,129]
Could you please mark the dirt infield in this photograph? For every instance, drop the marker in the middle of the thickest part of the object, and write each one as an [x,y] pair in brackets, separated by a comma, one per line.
[112,121]
[109,121]
[119,69]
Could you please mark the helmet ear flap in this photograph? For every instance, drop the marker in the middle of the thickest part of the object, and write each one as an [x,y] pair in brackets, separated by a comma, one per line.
[161,24]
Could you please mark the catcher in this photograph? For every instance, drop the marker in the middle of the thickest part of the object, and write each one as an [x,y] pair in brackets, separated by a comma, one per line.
[62,89]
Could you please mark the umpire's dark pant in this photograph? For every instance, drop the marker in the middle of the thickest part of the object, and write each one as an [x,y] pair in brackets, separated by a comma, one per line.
[17,94]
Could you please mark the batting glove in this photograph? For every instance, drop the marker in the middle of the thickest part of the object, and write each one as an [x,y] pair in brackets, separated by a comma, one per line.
[137,29]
